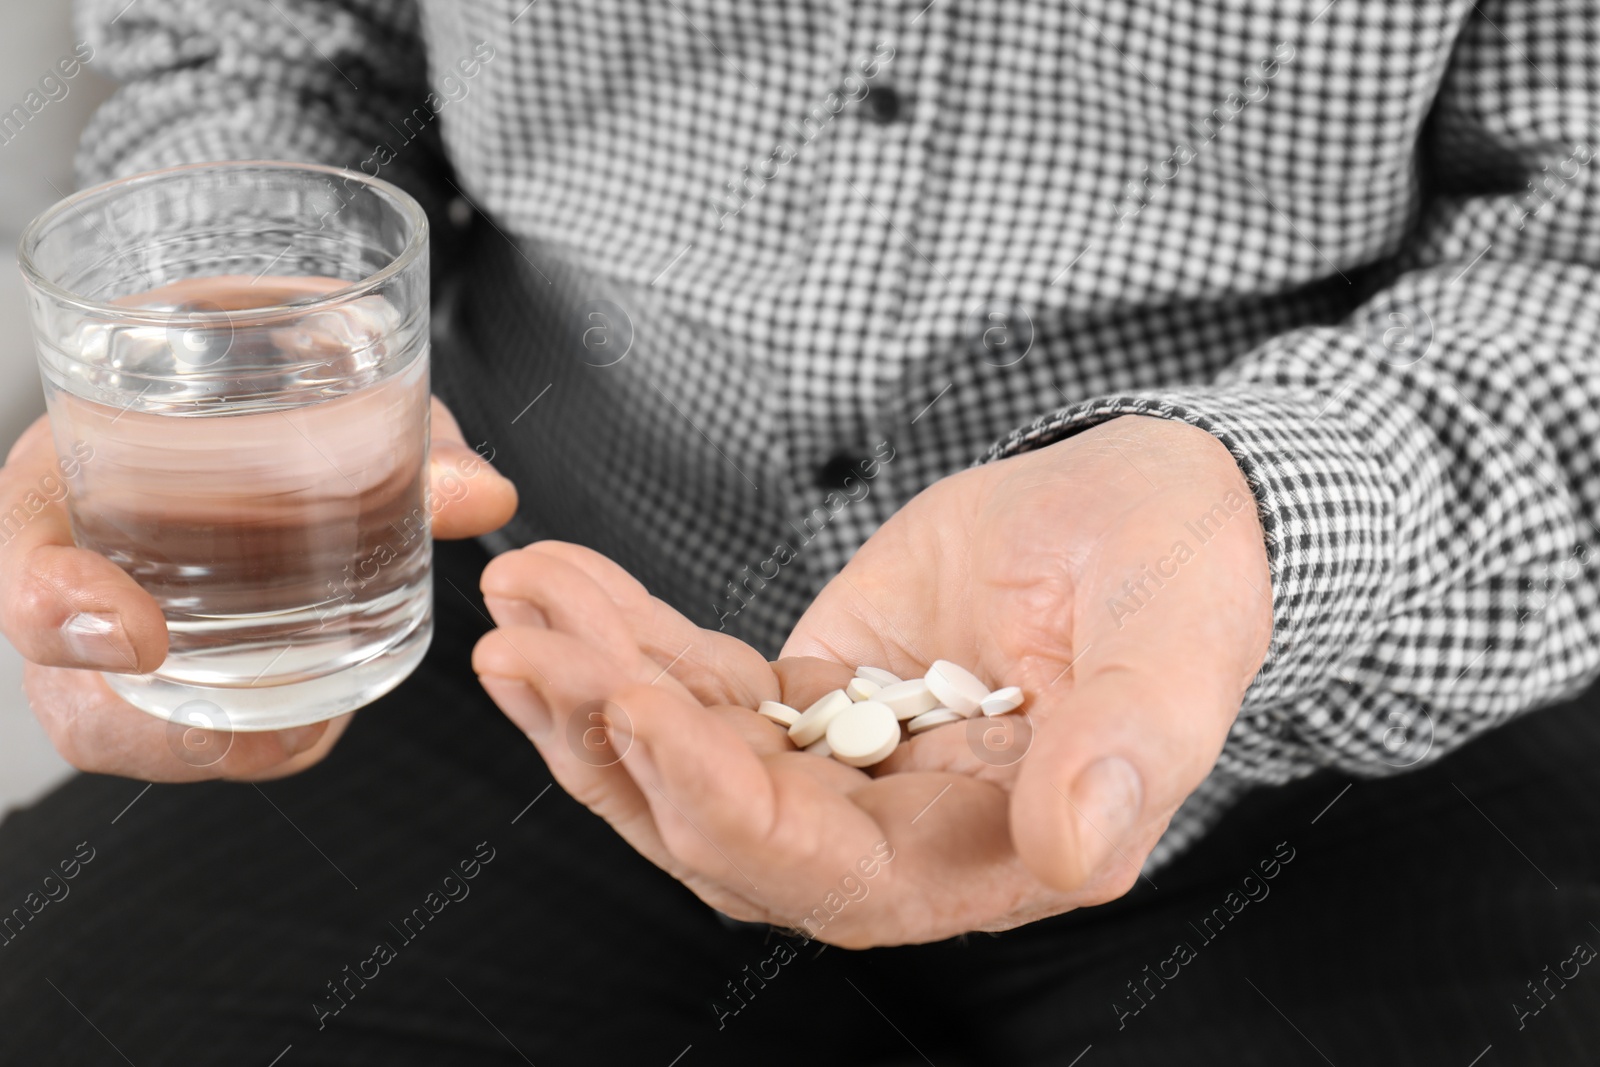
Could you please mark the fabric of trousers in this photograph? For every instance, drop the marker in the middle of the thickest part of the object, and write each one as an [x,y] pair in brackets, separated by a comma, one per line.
[425,896]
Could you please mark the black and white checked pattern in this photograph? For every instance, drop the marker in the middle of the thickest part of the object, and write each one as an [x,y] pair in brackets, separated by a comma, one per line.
[1327,175]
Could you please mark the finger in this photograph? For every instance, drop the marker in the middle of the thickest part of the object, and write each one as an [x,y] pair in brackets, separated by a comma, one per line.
[65,606]
[578,591]
[97,731]
[1166,623]
[717,668]
[943,830]
[847,624]
[537,589]
[1113,753]
[548,683]
[306,757]
[68,607]
[990,749]
[771,829]
[558,688]
[442,422]
[792,834]
[623,588]
[552,686]
[472,498]
[763,735]
[805,679]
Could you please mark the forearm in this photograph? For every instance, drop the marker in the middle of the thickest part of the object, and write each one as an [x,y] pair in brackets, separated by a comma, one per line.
[1425,468]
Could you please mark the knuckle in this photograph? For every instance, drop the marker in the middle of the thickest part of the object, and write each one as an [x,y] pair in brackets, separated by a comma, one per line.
[89,762]
[33,603]
[69,744]
[64,703]
[504,572]
[1112,884]
[78,745]
[732,905]
[694,850]
[503,652]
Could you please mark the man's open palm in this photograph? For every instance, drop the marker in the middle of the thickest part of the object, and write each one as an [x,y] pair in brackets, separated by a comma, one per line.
[1119,577]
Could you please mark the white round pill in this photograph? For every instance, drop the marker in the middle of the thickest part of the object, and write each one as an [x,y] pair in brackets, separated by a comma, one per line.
[819,748]
[956,687]
[929,719]
[877,674]
[782,714]
[1001,701]
[864,733]
[908,699]
[813,722]
[862,688]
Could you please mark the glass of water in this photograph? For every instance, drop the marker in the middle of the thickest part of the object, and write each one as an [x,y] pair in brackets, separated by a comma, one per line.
[235,360]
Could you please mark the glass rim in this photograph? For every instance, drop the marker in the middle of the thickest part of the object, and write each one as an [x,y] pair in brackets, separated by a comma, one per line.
[33,234]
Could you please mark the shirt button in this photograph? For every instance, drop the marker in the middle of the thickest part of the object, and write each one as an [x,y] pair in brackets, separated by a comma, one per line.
[840,466]
[884,104]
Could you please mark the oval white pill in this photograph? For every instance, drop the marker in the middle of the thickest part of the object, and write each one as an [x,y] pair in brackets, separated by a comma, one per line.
[813,722]
[1001,701]
[908,699]
[877,674]
[956,687]
[929,719]
[782,714]
[861,688]
[819,748]
[864,733]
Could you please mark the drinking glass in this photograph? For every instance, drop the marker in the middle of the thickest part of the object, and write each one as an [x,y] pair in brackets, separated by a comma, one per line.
[235,362]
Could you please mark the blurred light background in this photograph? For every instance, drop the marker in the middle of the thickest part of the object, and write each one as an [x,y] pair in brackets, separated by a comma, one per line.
[34,164]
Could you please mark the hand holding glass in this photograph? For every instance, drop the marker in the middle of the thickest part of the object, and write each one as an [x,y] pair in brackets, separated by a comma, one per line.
[235,359]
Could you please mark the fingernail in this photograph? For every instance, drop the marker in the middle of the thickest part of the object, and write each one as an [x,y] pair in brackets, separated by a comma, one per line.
[511,611]
[96,639]
[1108,795]
[299,738]
[518,700]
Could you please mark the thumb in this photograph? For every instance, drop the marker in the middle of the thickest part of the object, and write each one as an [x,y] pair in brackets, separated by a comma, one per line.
[1114,755]
[468,495]
[1140,720]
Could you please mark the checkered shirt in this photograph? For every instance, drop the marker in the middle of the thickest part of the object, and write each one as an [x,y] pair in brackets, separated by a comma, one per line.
[697,259]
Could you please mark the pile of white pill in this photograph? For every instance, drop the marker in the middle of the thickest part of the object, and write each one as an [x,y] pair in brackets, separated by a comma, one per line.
[861,724]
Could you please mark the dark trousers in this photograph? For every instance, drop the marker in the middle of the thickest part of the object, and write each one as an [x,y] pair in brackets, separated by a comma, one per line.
[403,903]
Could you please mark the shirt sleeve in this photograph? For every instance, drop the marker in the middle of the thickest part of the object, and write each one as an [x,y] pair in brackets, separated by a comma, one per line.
[324,81]
[1427,470]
